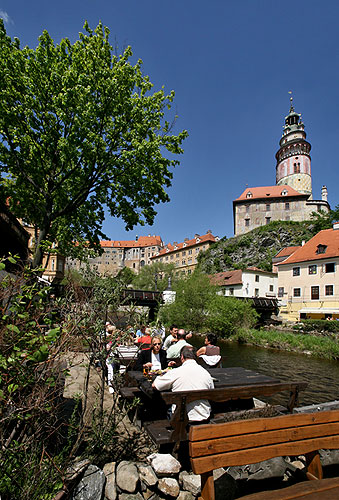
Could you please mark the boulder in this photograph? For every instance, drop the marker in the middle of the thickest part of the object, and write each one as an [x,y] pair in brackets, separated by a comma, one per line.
[185,495]
[110,487]
[329,457]
[274,467]
[224,485]
[190,482]
[131,496]
[147,475]
[169,486]
[91,485]
[127,477]
[164,464]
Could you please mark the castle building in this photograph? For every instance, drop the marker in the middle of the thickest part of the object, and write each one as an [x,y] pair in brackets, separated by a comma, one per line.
[291,198]
[184,255]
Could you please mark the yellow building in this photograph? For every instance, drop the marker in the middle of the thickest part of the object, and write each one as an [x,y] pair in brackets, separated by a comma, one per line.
[308,280]
[184,255]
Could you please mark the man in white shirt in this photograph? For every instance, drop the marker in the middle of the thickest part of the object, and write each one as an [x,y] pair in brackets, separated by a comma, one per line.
[172,337]
[189,376]
[174,351]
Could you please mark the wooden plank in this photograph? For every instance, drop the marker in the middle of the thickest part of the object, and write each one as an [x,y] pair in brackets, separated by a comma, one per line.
[314,467]
[226,393]
[314,490]
[238,427]
[242,457]
[207,487]
[249,441]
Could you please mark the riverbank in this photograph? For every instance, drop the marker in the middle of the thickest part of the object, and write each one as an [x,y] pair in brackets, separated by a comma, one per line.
[312,345]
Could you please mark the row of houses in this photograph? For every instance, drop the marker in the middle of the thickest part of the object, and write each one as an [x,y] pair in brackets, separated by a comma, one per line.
[305,279]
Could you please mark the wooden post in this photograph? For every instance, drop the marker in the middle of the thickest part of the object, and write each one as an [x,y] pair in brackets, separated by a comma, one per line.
[314,467]
[207,486]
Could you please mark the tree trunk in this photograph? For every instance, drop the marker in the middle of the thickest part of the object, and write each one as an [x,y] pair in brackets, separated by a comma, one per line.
[38,253]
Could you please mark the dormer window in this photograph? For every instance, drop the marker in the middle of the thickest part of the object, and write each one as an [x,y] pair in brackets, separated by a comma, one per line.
[185,245]
[249,195]
[284,192]
[197,240]
[321,249]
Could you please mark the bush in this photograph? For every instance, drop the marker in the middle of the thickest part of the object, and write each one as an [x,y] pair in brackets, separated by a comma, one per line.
[318,325]
[228,314]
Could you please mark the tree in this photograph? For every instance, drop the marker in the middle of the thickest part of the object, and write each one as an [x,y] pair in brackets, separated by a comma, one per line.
[190,309]
[227,314]
[322,220]
[155,277]
[81,130]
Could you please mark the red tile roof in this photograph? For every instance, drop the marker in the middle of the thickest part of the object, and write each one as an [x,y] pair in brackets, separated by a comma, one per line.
[327,237]
[267,192]
[143,241]
[169,248]
[227,278]
[286,252]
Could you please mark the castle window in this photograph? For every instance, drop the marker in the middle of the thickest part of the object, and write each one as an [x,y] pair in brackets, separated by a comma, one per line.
[247,222]
[287,205]
[268,207]
[284,192]
[267,220]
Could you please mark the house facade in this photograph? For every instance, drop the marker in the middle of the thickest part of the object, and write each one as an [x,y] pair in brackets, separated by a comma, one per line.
[248,283]
[308,280]
[184,255]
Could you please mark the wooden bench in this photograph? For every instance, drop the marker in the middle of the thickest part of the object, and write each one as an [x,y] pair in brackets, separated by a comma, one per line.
[175,430]
[251,441]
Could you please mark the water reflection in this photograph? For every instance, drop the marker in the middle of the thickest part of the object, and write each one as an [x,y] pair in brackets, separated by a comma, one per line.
[322,375]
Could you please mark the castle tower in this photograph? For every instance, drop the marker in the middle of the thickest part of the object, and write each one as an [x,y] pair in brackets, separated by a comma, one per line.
[293,158]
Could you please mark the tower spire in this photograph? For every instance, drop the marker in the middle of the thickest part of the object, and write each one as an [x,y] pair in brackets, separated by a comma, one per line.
[291,99]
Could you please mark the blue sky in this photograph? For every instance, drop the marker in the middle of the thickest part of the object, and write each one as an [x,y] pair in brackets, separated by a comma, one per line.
[231,64]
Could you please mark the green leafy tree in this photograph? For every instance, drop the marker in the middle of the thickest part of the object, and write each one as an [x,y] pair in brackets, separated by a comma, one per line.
[227,314]
[126,276]
[190,309]
[80,129]
[155,277]
[322,220]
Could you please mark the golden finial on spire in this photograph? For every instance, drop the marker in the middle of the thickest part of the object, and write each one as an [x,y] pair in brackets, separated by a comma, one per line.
[291,99]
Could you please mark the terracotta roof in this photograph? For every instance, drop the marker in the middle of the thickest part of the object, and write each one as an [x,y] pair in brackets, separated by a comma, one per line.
[267,192]
[286,252]
[327,237]
[258,270]
[143,241]
[169,248]
[227,278]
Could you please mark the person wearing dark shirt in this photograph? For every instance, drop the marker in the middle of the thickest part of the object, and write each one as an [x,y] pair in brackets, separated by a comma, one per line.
[153,358]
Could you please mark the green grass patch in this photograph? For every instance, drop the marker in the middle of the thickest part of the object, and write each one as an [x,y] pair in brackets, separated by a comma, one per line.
[322,347]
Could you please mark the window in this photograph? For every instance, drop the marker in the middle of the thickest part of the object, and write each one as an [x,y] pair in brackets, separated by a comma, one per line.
[296,271]
[183,262]
[142,263]
[166,257]
[296,292]
[257,278]
[256,292]
[53,265]
[329,290]
[247,208]
[189,252]
[172,257]
[330,267]
[268,207]
[189,271]
[321,249]
[314,292]
[231,291]
[247,222]
[177,255]
[312,269]
[267,220]
[287,206]
[184,253]
[281,291]
[271,288]
[249,195]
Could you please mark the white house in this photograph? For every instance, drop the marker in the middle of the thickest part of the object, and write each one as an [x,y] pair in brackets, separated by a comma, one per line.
[252,282]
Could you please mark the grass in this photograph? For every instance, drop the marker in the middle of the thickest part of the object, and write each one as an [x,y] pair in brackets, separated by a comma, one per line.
[322,347]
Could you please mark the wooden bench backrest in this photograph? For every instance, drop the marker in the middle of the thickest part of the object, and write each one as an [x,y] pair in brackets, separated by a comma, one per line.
[251,441]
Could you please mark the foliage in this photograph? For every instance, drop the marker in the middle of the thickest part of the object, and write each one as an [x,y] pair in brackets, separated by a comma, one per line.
[76,277]
[126,276]
[317,325]
[322,220]
[190,309]
[227,314]
[80,129]
[155,277]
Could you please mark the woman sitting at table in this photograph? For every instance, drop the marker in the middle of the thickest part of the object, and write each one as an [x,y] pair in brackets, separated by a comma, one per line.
[210,352]
[145,340]
[153,358]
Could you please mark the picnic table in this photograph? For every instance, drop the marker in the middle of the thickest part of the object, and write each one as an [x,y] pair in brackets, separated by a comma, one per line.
[233,384]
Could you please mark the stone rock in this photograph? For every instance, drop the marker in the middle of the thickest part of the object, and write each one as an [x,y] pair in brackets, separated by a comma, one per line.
[91,485]
[127,477]
[147,475]
[76,469]
[274,467]
[224,485]
[131,496]
[164,464]
[297,464]
[185,495]
[110,487]
[190,482]
[147,493]
[329,457]
[169,486]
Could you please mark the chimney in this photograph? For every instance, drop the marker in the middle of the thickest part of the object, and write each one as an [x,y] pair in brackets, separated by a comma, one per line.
[136,238]
[209,231]
[324,193]
[335,225]
[186,240]
[196,235]
[303,243]
[175,243]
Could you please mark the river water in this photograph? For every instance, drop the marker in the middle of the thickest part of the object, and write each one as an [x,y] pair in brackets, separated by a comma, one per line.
[322,375]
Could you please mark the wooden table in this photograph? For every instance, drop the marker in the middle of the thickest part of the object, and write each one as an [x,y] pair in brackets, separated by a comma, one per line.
[234,383]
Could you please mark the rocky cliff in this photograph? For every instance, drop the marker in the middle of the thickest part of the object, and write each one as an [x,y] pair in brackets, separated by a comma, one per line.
[255,248]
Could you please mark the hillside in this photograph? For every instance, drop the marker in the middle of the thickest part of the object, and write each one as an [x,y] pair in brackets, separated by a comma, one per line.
[255,248]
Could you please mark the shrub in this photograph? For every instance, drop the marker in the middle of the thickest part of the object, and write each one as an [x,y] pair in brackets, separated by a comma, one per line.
[227,314]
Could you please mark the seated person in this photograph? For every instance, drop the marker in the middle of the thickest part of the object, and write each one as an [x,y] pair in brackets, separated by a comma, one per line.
[145,340]
[172,337]
[173,352]
[189,376]
[210,352]
[153,358]
[141,331]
